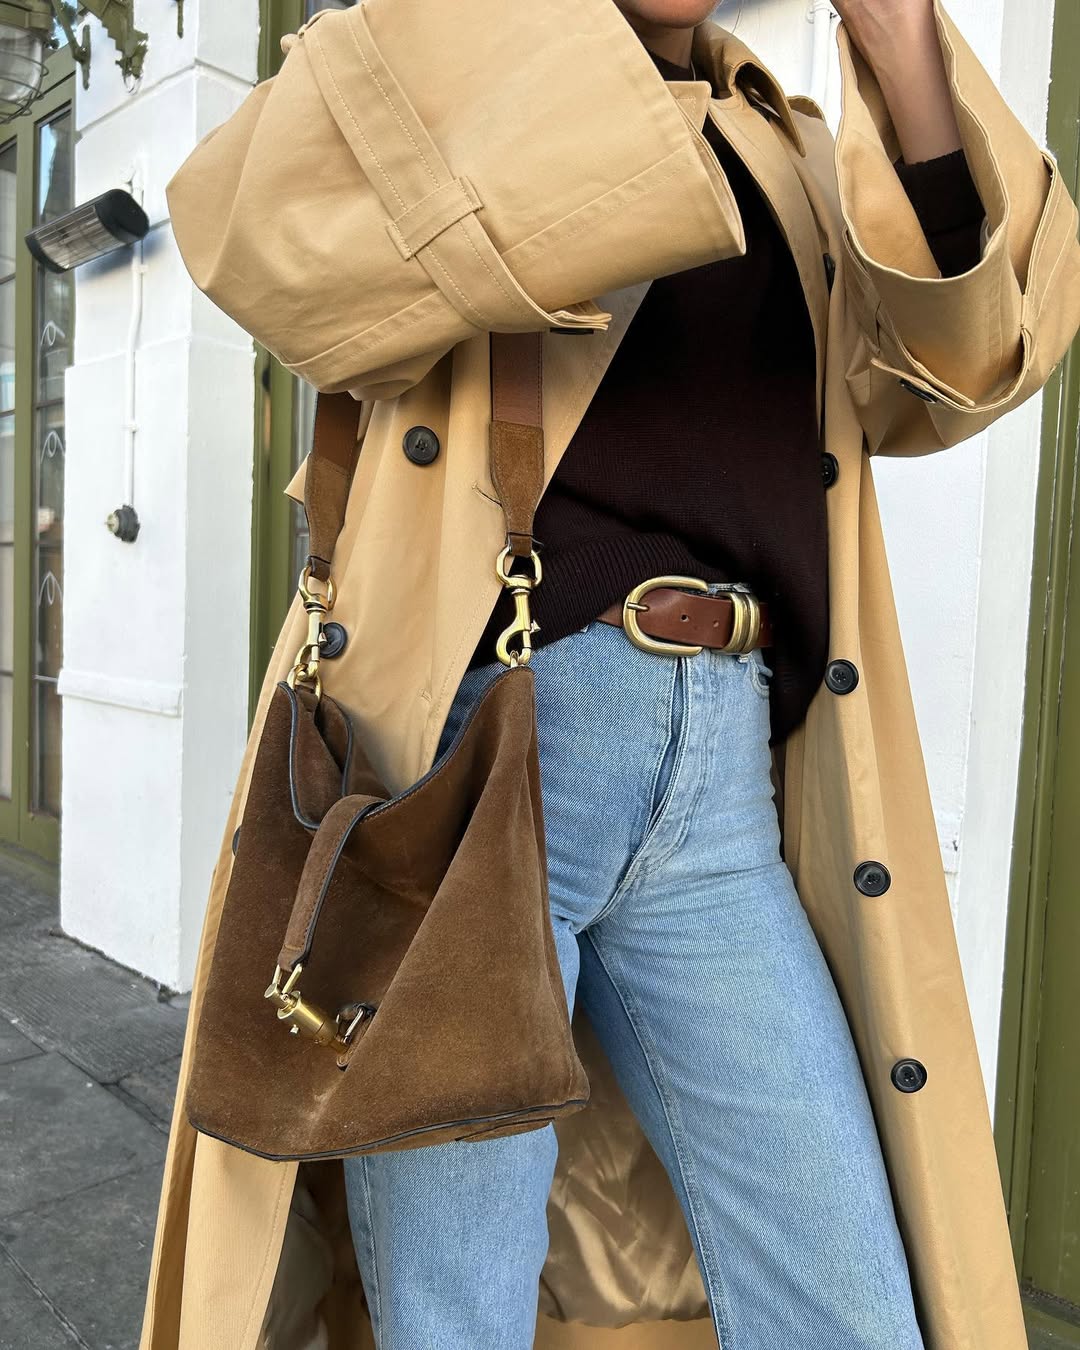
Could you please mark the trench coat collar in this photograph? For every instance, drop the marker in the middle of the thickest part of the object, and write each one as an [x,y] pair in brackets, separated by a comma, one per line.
[730,66]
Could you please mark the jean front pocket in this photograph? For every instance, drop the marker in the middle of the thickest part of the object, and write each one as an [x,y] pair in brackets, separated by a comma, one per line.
[760,674]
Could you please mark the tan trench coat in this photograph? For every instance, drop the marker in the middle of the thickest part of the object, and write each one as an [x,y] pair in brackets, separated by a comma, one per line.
[255,1254]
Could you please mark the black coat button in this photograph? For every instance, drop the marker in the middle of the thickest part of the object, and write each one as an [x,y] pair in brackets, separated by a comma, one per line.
[830,469]
[334,640]
[236,840]
[841,676]
[908,1075]
[872,878]
[830,269]
[924,394]
[421,444]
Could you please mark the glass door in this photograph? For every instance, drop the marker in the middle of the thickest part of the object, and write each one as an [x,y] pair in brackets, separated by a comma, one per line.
[36,333]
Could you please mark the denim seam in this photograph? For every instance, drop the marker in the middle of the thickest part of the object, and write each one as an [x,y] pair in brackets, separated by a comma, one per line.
[378,1309]
[635,865]
[685,1162]
[656,807]
[654,860]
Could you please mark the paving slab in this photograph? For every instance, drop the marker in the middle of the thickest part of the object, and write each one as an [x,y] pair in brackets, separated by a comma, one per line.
[26,898]
[102,1017]
[155,1088]
[62,1133]
[27,1323]
[14,1045]
[106,1234]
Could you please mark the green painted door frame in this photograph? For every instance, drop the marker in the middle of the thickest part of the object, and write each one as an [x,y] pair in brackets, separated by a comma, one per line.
[271,585]
[20,825]
[283,417]
[1037,1105]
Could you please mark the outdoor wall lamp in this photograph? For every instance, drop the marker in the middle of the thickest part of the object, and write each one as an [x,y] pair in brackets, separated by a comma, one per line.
[100,226]
[26,38]
[97,227]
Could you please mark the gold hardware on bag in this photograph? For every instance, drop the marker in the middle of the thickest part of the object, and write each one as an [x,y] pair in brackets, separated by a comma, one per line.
[524,625]
[317,605]
[354,1013]
[309,1020]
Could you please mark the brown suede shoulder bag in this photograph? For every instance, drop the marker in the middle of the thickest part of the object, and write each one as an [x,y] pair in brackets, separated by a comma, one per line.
[432,1006]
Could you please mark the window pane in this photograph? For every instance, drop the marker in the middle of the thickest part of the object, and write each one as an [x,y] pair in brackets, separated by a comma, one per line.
[8,241]
[7,595]
[8,245]
[6,738]
[53,332]
[48,606]
[7,542]
[55,296]
[46,747]
[7,344]
[53,196]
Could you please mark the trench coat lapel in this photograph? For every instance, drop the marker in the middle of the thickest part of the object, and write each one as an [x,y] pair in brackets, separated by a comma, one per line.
[754,116]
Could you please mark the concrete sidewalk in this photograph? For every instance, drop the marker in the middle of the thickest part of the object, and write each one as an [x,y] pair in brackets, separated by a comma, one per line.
[89,1054]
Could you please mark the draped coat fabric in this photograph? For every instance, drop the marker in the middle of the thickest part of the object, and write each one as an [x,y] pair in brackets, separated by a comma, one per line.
[255,1255]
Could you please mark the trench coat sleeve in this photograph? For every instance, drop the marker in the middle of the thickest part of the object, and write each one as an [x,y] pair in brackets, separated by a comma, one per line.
[390,381]
[931,360]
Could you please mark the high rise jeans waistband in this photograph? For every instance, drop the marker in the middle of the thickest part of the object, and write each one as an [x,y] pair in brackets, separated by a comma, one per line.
[680,931]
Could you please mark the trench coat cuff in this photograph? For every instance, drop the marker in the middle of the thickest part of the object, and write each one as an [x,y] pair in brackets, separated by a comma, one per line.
[966,342]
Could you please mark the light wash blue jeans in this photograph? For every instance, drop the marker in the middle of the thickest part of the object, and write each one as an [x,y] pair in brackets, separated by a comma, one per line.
[679,928]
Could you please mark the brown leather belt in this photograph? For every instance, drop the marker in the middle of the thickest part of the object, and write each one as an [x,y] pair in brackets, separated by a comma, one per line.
[660,618]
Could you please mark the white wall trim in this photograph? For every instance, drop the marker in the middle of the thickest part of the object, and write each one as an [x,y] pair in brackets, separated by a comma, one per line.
[147,696]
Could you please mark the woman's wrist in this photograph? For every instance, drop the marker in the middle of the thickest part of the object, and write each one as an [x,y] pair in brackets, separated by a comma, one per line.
[899,41]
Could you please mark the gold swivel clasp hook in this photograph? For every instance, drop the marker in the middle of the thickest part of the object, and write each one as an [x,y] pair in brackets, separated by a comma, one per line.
[521,587]
[317,605]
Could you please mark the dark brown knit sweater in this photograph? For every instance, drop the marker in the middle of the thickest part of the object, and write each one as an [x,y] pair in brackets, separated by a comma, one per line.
[700,453]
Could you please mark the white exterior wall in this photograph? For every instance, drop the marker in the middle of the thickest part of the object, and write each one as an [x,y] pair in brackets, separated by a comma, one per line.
[154,697]
[155,632]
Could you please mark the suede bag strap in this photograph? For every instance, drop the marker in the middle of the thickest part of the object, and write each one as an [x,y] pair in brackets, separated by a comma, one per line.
[319,868]
[335,449]
[515,440]
[516,432]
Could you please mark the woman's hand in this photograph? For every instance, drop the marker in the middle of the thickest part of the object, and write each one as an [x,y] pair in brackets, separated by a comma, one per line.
[899,40]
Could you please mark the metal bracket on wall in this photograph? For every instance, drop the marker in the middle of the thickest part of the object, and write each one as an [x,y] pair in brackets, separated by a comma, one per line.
[117,18]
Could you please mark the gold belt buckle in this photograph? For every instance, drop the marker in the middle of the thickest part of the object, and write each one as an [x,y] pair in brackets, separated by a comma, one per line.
[745,628]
